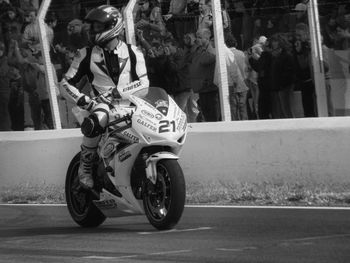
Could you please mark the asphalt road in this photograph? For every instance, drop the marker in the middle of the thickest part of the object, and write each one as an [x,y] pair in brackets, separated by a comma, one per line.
[47,234]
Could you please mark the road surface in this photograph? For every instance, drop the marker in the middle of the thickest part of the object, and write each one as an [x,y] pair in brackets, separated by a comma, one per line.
[205,234]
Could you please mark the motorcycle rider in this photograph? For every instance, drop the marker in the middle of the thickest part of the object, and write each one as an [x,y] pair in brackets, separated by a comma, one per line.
[108,63]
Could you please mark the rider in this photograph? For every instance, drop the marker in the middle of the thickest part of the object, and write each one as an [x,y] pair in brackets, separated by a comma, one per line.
[108,63]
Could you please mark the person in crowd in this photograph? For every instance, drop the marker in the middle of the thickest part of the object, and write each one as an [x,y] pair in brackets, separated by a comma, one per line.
[237,75]
[192,7]
[4,6]
[31,35]
[282,78]
[174,18]
[290,20]
[201,72]
[5,72]
[77,35]
[326,63]
[149,19]
[205,18]
[180,59]
[16,101]
[304,69]
[261,63]
[11,23]
[126,70]
[32,67]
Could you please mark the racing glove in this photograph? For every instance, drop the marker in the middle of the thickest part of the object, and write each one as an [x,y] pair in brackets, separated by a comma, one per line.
[86,103]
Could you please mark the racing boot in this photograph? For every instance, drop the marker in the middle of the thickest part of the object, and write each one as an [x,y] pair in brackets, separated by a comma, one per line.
[88,156]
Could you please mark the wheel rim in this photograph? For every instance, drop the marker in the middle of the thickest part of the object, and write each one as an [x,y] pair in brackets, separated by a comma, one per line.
[158,199]
[79,198]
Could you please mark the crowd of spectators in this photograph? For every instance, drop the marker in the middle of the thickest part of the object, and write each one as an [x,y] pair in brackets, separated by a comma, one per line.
[268,55]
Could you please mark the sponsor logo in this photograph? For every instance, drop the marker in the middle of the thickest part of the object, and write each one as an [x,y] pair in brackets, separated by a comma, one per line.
[182,123]
[147,125]
[131,87]
[73,95]
[147,113]
[108,149]
[159,116]
[124,156]
[131,136]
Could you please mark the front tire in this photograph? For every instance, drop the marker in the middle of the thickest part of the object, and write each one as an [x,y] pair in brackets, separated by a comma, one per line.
[79,201]
[164,202]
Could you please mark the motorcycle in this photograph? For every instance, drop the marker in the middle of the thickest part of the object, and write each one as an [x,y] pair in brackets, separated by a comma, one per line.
[138,171]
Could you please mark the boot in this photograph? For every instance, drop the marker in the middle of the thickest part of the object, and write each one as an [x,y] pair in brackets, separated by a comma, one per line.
[88,156]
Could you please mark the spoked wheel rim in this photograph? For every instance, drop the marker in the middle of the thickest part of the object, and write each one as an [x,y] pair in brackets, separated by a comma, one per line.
[78,196]
[158,199]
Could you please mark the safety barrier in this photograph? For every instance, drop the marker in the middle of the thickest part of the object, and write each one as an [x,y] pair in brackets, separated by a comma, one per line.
[312,150]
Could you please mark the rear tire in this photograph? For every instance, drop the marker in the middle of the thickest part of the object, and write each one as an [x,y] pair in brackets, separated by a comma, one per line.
[164,202]
[79,200]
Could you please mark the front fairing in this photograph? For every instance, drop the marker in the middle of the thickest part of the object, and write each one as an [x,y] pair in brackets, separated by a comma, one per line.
[157,117]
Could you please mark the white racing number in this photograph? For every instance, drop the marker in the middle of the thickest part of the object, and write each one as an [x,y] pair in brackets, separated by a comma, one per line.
[166,126]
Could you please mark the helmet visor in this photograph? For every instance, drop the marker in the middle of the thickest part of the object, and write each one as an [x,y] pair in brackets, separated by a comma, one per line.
[97,27]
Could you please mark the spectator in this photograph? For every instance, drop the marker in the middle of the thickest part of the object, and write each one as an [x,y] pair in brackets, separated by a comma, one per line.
[5,69]
[11,25]
[149,20]
[201,71]
[16,101]
[236,74]
[303,63]
[261,63]
[180,58]
[174,18]
[77,36]
[193,7]
[282,78]
[205,19]
[35,85]
[290,20]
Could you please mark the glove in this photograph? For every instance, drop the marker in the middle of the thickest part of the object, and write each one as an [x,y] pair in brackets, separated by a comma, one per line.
[86,103]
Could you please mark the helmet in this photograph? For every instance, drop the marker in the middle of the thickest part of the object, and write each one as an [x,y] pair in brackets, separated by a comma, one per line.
[106,23]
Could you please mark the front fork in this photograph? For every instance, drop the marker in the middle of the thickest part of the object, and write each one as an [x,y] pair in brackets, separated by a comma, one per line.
[151,164]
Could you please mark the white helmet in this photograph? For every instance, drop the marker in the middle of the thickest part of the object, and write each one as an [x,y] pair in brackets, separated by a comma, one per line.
[106,23]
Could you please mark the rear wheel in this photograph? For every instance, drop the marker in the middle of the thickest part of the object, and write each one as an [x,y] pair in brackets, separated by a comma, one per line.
[164,201]
[79,201]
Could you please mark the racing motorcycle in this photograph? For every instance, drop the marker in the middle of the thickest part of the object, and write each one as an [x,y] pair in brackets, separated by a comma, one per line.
[138,170]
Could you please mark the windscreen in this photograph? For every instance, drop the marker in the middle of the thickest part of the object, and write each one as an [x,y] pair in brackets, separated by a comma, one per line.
[157,97]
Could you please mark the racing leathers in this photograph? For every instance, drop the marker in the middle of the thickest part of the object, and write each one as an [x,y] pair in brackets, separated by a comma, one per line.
[124,68]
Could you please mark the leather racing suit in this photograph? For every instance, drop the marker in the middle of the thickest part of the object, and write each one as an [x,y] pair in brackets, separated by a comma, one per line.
[124,68]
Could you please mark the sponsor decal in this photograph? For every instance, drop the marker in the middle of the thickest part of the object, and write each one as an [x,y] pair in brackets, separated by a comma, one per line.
[131,136]
[106,204]
[133,86]
[72,94]
[182,124]
[147,125]
[108,149]
[159,116]
[147,113]
[124,155]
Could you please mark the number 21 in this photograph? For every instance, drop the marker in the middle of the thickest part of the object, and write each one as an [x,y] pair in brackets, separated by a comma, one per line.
[165,126]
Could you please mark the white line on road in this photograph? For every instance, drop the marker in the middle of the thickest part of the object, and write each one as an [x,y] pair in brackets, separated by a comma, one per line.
[316,238]
[170,252]
[222,206]
[135,256]
[175,231]
[107,258]
[236,249]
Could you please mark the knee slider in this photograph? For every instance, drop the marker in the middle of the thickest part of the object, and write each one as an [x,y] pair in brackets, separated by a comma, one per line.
[91,127]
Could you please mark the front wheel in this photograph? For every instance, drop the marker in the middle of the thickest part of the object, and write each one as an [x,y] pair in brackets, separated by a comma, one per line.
[164,201]
[80,201]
